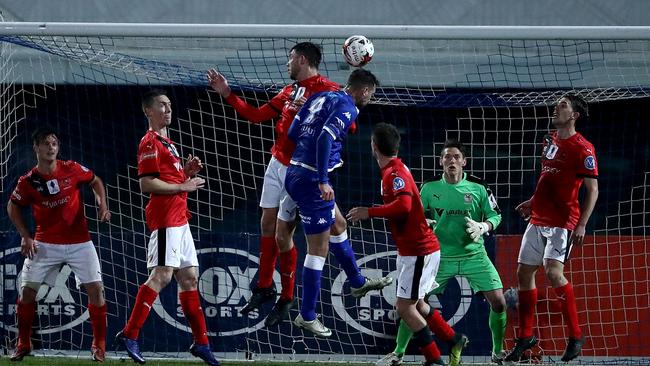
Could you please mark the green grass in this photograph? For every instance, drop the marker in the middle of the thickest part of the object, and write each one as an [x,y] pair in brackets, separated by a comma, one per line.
[64,361]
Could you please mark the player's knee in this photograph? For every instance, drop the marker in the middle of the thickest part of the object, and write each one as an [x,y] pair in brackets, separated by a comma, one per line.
[267,223]
[498,305]
[284,241]
[555,276]
[188,283]
[160,277]
[339,227]
[29,292]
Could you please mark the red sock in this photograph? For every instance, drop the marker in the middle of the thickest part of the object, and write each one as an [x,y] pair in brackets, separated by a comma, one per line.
[439,326]
[143,303]
[527,303]
[430,351]
[288,262]
[191,305]
[268,255]
[25,313]
[98,322]
[567,300]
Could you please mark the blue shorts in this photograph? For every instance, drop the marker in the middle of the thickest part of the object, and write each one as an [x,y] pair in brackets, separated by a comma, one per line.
[316,214]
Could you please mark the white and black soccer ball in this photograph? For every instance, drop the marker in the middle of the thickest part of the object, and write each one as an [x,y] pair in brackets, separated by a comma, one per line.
[358,50]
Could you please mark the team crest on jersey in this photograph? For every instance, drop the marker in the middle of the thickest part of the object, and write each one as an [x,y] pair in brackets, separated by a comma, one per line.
[53,186]
[468,198]
[590,162]
[398,183]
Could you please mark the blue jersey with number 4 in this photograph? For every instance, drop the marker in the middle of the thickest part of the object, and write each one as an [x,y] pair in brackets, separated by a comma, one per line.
[329,113]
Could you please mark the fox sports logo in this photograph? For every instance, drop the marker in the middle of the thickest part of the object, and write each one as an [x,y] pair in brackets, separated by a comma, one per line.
[58,308]
[226,277]
[372,312]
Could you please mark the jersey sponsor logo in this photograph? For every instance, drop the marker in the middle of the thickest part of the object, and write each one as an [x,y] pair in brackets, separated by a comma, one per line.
[148,155]
[347,115]
[54,203]
[56,310]
[590,162]
[226,278]
[378,306]
[53,186]
[398,183]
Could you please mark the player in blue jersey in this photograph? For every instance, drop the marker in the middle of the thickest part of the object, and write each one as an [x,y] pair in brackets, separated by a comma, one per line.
[319,131]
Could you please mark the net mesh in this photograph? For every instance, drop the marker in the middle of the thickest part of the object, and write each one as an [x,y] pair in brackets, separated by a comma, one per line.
[495,96]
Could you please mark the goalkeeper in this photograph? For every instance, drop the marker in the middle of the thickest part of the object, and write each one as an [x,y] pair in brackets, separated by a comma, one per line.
[461,208]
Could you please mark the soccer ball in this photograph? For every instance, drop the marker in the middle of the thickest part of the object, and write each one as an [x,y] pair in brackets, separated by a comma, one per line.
[358,50]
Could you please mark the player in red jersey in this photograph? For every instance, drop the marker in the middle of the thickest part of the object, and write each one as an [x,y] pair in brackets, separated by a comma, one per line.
[278,209]
[556,223]
[418,250]
[53,190]
[171,250]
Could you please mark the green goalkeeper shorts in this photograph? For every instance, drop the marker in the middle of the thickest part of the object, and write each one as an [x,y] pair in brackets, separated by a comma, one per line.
[477,269]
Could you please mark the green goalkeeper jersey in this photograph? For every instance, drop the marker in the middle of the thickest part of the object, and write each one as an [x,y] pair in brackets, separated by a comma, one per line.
[449,204]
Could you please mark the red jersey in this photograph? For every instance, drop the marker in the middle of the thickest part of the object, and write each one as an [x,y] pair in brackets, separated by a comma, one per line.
[565,164]
[158,157]
[405,214]
[282,104]
[56,202]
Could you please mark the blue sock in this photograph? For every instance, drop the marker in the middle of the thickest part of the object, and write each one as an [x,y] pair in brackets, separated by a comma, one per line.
[342,250]
[311,274]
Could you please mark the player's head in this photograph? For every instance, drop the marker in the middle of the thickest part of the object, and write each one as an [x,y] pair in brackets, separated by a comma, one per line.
[361,86]
[303,60]
[452,157]
[46,144]
[158,108]
[568,110]
[385,140]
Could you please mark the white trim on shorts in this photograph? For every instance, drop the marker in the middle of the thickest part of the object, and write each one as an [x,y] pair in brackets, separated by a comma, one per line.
[50,259]
[416,275]
[274,193]
[542,242]
[177,246]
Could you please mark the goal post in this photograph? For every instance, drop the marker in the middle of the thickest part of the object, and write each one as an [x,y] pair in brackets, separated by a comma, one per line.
[491,87]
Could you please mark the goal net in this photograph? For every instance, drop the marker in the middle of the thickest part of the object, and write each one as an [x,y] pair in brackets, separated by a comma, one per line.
[492,88]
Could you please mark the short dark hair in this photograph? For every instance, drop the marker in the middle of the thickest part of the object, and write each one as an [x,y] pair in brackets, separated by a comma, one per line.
[311,52]
[450,143]
[360,78]
[40,134]
[578,104]
[149,96]
[386,139]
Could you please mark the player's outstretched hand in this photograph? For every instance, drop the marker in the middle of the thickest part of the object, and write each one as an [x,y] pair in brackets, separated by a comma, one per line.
[28,248]
[476,229]
[218,83]
[357,213]
[326,191]
[193,165]
[578,235]
[192,184]
[104,214]
[300,101]
[525,209]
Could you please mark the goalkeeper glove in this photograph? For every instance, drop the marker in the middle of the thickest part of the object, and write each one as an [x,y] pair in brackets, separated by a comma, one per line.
[476,229]
[431,223]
